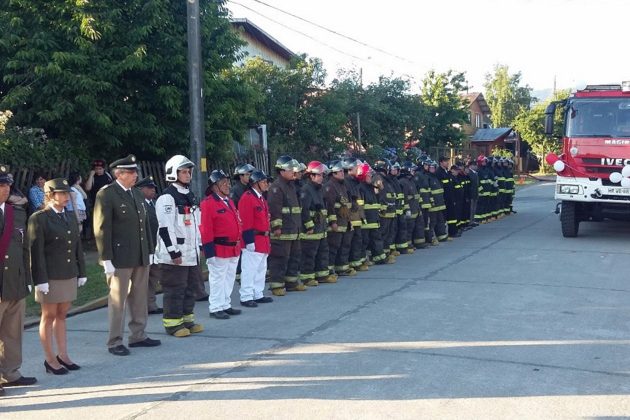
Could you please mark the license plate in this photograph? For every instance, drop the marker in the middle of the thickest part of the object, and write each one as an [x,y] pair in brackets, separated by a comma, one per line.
[622,191]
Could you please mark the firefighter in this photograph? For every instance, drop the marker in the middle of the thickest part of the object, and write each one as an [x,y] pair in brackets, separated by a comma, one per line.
[241,181]
[494,185]
[473,191]
[221,238]
[294,259]
[485,190]
[413,213]
[421,179]
[457,201]
[370,229]
[285,211]
[387,198]
[438,206]
[254,213]
[510,186]
[338,206]
[399,231]
[443,173]
[313,242]
[356,259]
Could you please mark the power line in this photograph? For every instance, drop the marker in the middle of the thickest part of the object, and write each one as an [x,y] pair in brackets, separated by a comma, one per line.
[297,31]
[333,31]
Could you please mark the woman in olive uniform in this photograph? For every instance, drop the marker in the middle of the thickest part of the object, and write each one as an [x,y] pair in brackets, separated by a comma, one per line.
[58,267]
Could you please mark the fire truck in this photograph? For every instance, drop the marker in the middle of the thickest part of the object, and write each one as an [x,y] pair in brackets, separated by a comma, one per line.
[593,169]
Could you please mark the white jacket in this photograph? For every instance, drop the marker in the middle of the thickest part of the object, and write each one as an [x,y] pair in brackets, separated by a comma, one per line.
[178,232]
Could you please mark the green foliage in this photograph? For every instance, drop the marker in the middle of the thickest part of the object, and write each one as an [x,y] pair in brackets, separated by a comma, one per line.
[505,97]
[530,124]
[447,112]
[111,76]
[502,152]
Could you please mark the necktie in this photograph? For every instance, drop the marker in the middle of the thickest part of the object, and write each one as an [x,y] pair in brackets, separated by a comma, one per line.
[62,216]
[1,220]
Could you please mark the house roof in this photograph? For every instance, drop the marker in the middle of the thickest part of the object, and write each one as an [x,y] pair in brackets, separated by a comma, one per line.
[263,37]
[478,96]
[491,134]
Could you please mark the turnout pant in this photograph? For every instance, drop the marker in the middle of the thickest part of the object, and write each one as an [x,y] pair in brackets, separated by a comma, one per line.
[372,238]
[339,250]
[385,229]
[178,285]
[127,289]
[428,233]
[11,327]
[221,276]
[278,262]
[416,228]
[438,225]
[315,256]
[357,254]
[253,270]
[402,239]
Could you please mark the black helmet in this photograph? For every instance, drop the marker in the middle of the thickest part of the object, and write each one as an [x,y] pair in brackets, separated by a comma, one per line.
[216,176]
[335,166]
[407,167]
[382,165]
[287,163]
[258,176]
[395,165]
[243,169]
[348,163]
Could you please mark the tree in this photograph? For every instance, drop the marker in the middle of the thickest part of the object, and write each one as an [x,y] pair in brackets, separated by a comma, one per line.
[109,76]
[530,124]
[505,97]
[445,107]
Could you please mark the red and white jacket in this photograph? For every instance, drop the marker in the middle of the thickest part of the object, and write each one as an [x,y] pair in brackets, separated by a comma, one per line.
[220,228]
[255,217]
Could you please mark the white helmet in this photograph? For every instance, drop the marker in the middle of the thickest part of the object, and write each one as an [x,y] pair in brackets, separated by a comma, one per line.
[174,164]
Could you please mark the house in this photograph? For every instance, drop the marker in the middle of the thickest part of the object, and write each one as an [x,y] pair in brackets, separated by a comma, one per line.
[260,44]
[479,113]
[486,139]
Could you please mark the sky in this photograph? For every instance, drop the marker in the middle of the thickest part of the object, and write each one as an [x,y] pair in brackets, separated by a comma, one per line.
[574,41]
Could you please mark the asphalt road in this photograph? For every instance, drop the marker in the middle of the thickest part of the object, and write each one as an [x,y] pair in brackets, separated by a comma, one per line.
[509,321]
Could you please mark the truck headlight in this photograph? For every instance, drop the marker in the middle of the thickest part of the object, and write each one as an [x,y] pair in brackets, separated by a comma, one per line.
[569,189]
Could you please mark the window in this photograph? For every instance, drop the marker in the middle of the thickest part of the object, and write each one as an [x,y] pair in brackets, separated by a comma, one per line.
[478,120]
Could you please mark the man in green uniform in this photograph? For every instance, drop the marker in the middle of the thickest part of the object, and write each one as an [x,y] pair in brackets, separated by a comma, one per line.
[15,283]
[125,248]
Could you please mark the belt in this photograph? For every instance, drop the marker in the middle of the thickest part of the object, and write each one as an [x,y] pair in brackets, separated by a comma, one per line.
[261,232]
[223,240]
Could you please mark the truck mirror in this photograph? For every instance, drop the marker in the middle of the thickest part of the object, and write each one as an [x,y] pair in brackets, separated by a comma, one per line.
[549,113]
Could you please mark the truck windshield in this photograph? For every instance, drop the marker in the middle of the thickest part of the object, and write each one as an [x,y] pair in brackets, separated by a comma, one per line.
[606,117]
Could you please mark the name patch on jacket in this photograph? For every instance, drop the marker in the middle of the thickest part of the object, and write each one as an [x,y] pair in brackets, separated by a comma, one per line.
[168,209]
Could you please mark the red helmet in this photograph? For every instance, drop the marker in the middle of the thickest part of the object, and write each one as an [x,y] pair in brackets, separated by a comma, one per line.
[362,172]
[480,159]
[316,167]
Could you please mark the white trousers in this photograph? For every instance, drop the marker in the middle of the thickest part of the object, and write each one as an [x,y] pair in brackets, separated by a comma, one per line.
[221,275]
[253,271]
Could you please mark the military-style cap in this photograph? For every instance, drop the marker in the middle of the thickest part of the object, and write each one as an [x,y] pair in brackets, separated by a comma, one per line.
[128,162]
[5,176]
[57,185]
[146,182]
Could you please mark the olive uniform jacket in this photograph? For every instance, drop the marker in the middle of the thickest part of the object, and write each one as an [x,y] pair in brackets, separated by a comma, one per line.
[15,277]
[121,227]
[55,246]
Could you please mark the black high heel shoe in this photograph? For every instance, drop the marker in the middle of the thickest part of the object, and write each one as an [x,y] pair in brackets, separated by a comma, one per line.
[50,369]
[72,366]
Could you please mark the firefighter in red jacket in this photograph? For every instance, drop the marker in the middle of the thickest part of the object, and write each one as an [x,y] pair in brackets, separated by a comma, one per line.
[254,213]
[221,238]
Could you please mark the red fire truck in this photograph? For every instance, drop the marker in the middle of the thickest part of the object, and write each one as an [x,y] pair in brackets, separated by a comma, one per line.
[593,170]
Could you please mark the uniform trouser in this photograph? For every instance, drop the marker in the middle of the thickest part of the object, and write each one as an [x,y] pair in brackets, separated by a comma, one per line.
[402,236]
[426,219]
[416,227]
[473,210]
[11,327]
[127,289]
[386,223]
[294,266]
[253,270]
[339,250]
[357,250]
[178,285]
[154,281]
[278,262]
[393,232]
[314,259]
[221,276]
[452,219]
[374,242]
[438,225]
[483,209]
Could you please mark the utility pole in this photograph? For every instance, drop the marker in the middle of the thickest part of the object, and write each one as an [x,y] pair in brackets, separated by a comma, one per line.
[195,99]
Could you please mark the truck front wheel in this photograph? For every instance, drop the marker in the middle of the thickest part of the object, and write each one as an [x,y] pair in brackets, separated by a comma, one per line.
[569,219]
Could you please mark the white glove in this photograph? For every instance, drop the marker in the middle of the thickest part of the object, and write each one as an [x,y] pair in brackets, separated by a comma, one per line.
[151,259]
[30,288]
[44,288]
[81,281]
[108,267]
[251,247]
[211,260]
